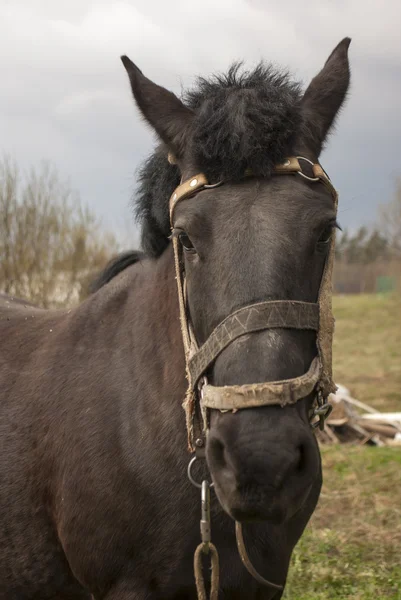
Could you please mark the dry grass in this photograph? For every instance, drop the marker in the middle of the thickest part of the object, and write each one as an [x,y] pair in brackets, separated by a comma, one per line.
[367,348]
[352,547]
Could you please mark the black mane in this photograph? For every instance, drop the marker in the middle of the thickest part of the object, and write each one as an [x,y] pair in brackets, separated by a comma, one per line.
[114,267]
[243,119]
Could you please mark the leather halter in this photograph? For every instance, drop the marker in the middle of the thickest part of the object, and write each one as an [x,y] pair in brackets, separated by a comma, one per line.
[255,317]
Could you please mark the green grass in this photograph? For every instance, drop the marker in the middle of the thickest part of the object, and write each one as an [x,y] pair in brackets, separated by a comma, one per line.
[367,348]
[352,546]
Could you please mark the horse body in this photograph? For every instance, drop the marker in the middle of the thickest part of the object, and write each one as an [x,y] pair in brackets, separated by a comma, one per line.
[32,562]
[96,496]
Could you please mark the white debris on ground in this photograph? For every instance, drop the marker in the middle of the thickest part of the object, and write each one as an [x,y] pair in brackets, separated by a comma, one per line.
[353,421]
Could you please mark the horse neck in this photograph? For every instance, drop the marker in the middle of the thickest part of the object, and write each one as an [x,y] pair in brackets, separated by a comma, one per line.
[153,320]
[141,306]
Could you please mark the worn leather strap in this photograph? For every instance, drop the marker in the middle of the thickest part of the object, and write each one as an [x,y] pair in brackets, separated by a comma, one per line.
[290,165]
[186,190]
[288,314]
[286,391]
[189,187]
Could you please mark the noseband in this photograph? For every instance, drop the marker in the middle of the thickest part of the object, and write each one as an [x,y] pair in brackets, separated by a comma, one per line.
[288,314]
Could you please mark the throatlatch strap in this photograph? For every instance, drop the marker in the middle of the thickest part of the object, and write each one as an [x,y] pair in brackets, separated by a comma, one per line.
[273,314]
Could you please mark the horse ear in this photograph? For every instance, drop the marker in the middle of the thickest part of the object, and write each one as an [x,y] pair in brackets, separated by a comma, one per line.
[168,116]
[325,96]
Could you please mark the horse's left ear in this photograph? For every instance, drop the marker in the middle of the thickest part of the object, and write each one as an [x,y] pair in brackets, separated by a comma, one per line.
[168,116]
[324,98]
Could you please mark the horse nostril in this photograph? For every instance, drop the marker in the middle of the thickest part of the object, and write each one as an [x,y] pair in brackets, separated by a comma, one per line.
[218,451]
[221,464]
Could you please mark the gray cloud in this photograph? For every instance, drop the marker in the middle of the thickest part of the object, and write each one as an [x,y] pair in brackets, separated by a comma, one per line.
[65,95]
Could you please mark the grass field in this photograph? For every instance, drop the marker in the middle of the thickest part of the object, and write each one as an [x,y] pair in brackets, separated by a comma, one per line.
[352,547]
[367,348]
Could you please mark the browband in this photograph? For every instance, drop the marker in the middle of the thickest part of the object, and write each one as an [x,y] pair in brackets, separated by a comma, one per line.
[189,187]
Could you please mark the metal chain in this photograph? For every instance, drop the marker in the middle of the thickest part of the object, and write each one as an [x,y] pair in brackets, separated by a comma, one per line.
[322,410]
[206,548]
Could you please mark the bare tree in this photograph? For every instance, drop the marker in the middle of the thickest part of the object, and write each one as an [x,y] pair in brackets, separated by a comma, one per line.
[390,220]
[50,243]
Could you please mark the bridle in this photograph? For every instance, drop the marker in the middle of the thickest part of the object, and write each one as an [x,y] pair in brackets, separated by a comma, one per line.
[201,396]
[290,314]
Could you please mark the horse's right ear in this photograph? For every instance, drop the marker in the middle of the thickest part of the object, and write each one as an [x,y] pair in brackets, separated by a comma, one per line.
[168,116]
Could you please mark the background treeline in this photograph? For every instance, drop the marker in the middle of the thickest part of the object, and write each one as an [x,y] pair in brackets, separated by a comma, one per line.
[369,259]
[52,245]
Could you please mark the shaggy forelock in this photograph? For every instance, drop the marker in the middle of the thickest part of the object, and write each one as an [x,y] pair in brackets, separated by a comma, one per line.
[243,120]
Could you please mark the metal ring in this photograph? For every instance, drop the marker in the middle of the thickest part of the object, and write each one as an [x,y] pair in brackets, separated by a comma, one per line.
[201,384]
[302,173]
[307,176]
[189,472]
[305,159]
[210,186]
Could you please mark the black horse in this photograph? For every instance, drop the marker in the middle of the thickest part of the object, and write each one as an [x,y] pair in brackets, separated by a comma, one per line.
[94,498]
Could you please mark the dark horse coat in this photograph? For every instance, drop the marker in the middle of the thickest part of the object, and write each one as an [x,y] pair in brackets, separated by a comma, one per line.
[94,498]
[94,493]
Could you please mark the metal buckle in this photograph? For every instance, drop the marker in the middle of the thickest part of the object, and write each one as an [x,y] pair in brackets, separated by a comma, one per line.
[205,527]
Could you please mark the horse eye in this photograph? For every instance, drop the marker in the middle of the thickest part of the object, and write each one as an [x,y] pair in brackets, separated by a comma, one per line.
[186,242]
[325,236]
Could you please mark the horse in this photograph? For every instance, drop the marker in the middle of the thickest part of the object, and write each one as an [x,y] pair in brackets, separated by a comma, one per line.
[94,497]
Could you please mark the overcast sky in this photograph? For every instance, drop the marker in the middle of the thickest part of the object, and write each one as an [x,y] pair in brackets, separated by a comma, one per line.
[65,95]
